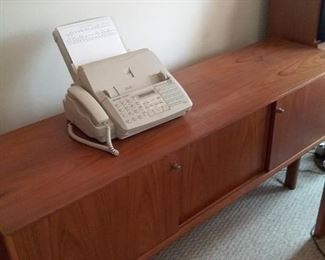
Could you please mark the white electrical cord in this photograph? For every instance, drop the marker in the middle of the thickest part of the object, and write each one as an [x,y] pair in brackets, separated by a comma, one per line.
[107,148]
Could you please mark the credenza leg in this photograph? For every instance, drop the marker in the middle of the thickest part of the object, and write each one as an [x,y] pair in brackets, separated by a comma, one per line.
[292,175]
[320,224]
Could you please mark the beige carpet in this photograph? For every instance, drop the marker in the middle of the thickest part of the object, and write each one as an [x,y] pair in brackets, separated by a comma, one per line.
[270,223]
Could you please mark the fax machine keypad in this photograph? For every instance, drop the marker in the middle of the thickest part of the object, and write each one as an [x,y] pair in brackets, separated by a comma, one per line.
[130,109]
[133,109]
[171,94]
[155,105]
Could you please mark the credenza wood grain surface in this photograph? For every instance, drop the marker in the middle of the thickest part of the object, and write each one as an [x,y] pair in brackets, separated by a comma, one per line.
[300,121]
[138,210]
[217,164]
[295,20]
[43,170]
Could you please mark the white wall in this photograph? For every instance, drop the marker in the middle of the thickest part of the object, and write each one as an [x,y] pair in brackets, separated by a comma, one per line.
[33,76]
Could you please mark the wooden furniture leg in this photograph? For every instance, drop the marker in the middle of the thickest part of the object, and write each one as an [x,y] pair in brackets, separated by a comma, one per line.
[320,224]
[292,175]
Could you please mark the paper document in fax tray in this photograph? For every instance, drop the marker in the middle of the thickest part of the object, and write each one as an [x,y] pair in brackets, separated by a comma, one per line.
[136,90]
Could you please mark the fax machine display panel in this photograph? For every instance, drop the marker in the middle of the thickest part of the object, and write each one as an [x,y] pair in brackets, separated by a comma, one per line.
[149,104]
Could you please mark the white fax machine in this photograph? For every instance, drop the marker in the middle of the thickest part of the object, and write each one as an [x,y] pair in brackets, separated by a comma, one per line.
[120,96]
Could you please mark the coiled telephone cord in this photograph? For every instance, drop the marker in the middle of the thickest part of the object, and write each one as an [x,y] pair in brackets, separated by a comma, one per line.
[107,148]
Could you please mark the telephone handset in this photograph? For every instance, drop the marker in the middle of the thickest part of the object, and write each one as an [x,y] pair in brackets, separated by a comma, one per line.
[95,111]
[86,113]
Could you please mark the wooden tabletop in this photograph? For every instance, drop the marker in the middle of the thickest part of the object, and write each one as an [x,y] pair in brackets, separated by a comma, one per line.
[42,169]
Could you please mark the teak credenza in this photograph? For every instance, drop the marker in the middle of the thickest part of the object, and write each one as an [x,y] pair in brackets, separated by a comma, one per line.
[255,111]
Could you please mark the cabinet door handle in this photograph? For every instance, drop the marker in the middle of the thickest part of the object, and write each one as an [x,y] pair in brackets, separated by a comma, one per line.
[280,110]
[175,166]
